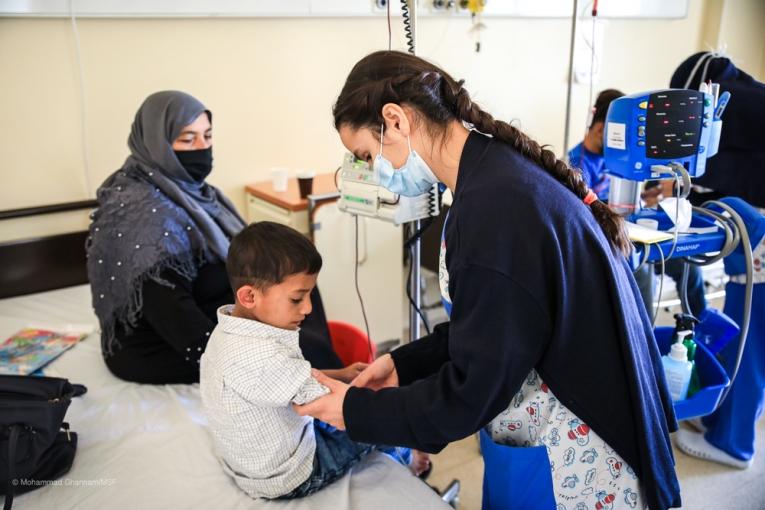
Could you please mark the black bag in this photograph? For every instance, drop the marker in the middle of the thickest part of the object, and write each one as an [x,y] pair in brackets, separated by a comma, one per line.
[36,444]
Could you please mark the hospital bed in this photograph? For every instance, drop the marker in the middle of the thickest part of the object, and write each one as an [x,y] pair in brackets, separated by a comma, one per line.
[147,447]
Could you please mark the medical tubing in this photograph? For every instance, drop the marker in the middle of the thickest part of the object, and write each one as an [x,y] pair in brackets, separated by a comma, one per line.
[410,248]
[356,282]
[644,258]
[594,14]
[685,191]
[732,238]
[705,59]
[684,290]
[425,224]
[747,249]
[661,287]
[671,169]
[409,34]
[681,194]
[386,202]
[433,199]
[390,34]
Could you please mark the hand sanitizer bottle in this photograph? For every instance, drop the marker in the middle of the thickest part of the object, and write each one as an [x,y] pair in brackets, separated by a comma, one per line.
[677,370]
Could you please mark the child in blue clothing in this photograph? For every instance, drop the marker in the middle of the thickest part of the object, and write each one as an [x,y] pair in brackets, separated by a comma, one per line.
[588,155]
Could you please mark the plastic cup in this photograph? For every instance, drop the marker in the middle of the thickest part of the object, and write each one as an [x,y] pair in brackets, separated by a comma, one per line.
[305,182]
[648,223]
[279,177]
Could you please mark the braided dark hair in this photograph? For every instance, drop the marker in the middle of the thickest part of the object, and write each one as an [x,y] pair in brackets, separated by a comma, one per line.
[397,77]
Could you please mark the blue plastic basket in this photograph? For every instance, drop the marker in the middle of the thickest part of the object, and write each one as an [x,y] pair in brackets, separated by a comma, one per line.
[715,330]
[712,376]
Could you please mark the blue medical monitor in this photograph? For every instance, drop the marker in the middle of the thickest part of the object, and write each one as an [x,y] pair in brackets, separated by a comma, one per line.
[657,128]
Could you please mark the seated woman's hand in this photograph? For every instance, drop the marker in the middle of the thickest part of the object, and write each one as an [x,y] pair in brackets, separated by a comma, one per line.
[328,408]
[380,374]
[350,372]
[346,374]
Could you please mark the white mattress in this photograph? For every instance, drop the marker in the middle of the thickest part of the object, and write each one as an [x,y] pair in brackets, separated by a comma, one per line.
[147,447]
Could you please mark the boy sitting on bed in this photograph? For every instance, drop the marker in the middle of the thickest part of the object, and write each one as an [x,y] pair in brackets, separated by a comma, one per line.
[253,370]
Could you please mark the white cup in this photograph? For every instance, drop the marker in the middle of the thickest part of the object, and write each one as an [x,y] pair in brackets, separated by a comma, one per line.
[648,223]
[279,176]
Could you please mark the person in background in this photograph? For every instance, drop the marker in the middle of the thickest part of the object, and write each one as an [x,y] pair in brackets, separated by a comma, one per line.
[587,155]
[157,250]
[727,436]
[738,168]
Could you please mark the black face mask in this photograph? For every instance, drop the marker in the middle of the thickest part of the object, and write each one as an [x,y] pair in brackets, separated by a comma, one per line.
[197,163]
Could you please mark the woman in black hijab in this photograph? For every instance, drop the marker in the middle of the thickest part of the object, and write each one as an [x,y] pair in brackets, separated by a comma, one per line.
[157,248]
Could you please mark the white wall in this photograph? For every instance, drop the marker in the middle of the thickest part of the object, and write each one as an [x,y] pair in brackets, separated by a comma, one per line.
[271,84]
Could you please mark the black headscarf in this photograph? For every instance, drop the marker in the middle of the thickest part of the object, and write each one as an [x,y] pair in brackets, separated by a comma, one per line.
[152,215]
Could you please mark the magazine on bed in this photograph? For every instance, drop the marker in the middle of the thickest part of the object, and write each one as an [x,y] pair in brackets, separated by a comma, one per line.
[30,349]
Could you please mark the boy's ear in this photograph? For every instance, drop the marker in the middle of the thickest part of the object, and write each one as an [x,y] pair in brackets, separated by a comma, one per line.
[598,127]
[248,296]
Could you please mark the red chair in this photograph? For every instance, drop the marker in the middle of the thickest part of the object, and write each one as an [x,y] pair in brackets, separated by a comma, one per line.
[350,343]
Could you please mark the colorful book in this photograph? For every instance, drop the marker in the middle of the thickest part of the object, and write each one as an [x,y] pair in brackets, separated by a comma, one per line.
[30,349]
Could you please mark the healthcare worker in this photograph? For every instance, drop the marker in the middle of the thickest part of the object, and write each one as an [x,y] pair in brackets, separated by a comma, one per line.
[736,169]
[548,342]
[727,436]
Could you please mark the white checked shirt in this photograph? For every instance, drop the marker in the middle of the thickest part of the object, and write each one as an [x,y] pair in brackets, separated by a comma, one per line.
[250,374]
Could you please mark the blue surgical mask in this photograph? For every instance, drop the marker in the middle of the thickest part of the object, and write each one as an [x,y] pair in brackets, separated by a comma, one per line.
[413,179]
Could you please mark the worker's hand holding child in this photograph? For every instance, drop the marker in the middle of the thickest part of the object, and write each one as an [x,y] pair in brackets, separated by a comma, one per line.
[328,408]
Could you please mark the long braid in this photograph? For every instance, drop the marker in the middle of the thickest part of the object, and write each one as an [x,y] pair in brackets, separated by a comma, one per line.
[468,111]
[396,77]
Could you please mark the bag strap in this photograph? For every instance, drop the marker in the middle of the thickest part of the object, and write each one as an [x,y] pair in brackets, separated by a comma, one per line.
[78,389]
[13,439]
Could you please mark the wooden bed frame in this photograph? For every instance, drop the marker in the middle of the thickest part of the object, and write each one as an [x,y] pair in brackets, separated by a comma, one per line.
[43,263]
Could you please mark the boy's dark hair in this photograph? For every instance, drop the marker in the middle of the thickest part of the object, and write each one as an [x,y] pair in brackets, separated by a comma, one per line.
[265,253]
[602,103]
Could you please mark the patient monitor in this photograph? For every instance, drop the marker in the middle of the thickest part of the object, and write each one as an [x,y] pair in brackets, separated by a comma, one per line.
[362,194]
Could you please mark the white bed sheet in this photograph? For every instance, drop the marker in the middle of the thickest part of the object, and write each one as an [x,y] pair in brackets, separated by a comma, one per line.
[146,447]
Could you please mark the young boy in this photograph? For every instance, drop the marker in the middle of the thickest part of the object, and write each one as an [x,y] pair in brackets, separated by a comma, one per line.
[253,370]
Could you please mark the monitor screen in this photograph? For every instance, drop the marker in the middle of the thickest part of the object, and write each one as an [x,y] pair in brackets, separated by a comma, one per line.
[673,123]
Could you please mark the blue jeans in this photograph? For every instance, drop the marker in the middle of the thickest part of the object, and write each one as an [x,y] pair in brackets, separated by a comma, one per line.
[335,454]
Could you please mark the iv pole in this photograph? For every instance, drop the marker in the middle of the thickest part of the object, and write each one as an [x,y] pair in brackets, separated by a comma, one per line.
[414,283]
[570,78]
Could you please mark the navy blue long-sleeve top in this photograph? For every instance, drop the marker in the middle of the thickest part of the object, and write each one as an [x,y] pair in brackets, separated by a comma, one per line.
[534,284]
